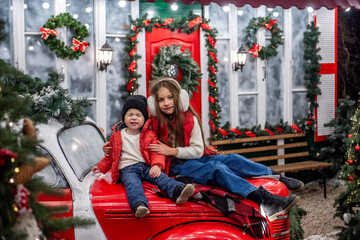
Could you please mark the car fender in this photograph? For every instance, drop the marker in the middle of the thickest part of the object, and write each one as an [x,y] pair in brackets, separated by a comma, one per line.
[203,230]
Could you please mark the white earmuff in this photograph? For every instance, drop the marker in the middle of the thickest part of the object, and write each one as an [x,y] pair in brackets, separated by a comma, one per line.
[184,100]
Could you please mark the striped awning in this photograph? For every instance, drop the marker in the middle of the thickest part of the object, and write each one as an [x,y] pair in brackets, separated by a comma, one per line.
[301,4]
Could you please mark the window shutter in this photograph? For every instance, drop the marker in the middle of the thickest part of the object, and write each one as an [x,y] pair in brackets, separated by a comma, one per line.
[326,20]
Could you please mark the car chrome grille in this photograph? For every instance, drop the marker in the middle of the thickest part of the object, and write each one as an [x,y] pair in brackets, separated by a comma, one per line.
[281,228]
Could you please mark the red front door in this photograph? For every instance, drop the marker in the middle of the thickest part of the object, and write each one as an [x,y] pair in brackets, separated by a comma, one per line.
[163,37]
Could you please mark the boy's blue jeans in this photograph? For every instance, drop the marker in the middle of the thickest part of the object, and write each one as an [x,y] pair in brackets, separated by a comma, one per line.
[132,177]
[227,171]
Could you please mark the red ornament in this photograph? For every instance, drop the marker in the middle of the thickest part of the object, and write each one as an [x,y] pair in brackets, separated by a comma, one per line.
[350,135]
[309,123]
[357,148]
[350,161]
[350,178]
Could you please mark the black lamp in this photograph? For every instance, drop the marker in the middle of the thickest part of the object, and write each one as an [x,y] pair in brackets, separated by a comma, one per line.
[240,58]
[105,56]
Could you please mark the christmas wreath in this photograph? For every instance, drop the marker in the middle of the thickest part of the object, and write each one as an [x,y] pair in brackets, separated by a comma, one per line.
[61,50]
[168,63]
[263,52]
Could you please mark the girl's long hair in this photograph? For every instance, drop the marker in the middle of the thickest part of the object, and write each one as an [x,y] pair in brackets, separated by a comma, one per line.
[176,133]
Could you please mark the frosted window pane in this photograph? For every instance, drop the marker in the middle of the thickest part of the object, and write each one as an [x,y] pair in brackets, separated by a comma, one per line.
[274,88]
[80,145]
[37,12]
[219,20]
[300,106]
[117,21]
[222,47]
[40,60]
[247,111]
[6,47]
[114,81]
[247,78]
[276,14]
[300,17]
[81,72]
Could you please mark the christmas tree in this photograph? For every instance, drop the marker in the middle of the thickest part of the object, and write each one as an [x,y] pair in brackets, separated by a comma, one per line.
[347,203]
[21,216]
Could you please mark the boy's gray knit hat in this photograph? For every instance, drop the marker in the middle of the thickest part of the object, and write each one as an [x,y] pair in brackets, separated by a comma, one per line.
[136,101]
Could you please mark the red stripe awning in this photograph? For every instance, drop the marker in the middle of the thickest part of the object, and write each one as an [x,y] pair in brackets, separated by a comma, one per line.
[301,4]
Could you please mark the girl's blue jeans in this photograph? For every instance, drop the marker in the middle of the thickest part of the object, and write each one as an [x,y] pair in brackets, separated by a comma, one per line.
[227,171]
[132,178]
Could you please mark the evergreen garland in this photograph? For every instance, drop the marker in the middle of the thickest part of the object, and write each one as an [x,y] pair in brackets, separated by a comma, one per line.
[187,25]
[61,50]
[348,202]
[169,60]
[312,65]
[276,37]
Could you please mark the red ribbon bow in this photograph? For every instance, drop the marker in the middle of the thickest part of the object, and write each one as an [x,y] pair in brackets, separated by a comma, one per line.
[271,23]
[46,32]
[235,130]
[79,45]
[255,50]
[223,132]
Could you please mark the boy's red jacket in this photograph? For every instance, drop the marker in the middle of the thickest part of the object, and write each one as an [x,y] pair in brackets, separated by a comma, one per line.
[147,137]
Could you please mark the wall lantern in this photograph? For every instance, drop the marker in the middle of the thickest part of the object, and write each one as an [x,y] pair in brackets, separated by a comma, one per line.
[240,58]
[105,55]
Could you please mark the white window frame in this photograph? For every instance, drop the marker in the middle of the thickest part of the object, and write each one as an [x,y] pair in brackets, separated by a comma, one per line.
[260,65]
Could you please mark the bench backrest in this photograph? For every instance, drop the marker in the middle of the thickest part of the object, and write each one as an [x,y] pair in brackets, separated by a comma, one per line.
[269,147]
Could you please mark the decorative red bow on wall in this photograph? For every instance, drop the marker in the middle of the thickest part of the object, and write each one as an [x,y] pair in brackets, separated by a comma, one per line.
[79,45]
[46,32]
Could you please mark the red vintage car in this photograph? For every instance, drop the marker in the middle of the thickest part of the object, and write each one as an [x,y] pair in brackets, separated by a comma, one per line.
[73,151]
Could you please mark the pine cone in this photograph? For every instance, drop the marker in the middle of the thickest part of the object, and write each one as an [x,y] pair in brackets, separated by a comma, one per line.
[28,128]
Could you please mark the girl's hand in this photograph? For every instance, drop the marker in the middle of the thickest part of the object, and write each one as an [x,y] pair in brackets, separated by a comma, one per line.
[95,169]
[155,171]
[163,149]
[107,149]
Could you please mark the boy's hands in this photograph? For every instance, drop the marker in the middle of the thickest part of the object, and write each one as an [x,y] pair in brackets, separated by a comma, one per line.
[107,149]
[163,149]
[95,169]
[155,171]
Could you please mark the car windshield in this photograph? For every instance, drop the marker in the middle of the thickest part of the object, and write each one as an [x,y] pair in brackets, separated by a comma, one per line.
[82,146]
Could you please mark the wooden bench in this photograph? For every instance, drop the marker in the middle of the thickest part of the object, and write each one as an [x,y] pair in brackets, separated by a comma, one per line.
[283,153]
